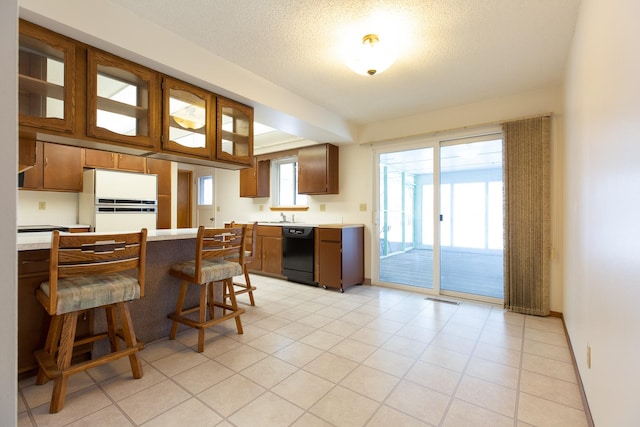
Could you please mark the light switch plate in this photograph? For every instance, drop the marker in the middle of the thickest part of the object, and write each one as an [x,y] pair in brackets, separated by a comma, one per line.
[323,207]
[363,207]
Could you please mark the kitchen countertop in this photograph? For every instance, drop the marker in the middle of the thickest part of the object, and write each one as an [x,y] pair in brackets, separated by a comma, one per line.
[42,240]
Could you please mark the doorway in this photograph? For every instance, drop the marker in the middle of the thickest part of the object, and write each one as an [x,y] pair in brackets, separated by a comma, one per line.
[440,210]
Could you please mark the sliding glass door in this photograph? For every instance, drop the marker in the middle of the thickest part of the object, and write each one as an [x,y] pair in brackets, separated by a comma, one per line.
[406,237]
[471,223]
[441,217]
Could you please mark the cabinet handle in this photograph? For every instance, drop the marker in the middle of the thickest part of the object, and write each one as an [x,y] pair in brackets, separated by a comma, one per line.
[36,261]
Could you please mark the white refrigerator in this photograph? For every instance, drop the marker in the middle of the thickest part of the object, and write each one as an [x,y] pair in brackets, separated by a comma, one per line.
[116,201]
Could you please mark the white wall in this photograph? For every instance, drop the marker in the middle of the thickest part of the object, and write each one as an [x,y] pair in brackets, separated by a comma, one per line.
[8,171]
[602,254]
[61,208]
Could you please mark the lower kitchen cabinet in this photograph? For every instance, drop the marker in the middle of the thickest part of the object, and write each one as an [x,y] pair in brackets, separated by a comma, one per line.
[268,250]
[340,256]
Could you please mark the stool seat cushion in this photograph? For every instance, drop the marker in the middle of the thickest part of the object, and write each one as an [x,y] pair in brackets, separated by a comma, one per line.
[211,270]
[84,292]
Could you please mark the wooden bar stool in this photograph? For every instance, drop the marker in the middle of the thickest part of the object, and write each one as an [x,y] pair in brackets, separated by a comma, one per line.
[89,271]
[219,256]
[249,254]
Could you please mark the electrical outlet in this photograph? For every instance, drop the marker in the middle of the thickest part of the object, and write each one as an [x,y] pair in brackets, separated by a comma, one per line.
[588,356]
[261,208]
[323,207]
[42,206]
[363,207]
[217,208]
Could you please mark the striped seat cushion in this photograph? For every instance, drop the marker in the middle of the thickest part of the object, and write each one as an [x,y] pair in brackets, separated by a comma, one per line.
[211,270]
[84,292]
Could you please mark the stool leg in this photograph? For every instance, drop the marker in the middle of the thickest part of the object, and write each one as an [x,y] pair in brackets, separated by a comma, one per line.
[130,339]
[179,304]
[112,327]
[211,300]
[65,352]
[247,280]
[202,316]
[51,345]
[234,303]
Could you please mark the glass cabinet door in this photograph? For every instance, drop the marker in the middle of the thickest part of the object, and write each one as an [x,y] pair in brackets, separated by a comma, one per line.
[234,132]
[46,75]
[123,100]
[187,118]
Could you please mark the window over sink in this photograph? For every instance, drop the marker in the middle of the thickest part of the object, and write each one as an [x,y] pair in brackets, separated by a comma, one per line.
[284,180]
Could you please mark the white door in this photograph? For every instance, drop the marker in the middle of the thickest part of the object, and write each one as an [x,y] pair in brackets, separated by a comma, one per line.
[205,200]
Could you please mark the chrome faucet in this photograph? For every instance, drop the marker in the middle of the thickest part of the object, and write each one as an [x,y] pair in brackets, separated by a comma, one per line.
[284,217]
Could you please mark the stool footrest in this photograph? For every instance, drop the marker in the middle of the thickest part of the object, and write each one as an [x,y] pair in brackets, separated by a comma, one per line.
[47,362]
[202,325]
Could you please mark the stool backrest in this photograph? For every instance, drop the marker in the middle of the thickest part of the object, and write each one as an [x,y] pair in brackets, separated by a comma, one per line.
[82,254]
[251,230]
[221,243]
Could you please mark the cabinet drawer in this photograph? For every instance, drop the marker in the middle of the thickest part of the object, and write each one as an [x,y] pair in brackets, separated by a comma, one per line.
[268,230]
[330,234]
[31,262]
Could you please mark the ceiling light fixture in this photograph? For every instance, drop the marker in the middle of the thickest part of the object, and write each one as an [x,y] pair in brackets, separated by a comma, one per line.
[372,57]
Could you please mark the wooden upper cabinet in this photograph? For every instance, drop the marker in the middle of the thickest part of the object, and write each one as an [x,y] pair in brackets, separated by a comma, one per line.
[57,168]
[162,168]
[234,140]
[123,100]
[318,169]
[99,159]
[46,79]
[254,181]
[187,119]
[127,162]
[107,160]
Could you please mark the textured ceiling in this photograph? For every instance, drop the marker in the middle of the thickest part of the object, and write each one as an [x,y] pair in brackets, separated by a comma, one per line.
[450,52]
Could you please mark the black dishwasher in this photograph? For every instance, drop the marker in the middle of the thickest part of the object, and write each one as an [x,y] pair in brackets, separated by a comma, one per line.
[297,254]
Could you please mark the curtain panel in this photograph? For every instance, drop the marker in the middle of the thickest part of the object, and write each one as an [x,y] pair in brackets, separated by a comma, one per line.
[527,219]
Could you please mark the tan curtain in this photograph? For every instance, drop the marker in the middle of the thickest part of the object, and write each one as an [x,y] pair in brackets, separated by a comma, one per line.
[527,180]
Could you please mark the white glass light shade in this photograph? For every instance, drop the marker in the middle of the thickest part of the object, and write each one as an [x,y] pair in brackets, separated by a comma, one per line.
[372,57]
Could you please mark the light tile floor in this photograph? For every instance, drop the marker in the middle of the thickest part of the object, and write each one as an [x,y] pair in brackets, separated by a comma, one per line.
[312,357]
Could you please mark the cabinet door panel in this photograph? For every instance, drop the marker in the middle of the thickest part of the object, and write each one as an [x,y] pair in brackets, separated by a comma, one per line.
[99,159]
[318,169]
[122,100]
[330,257]
[162,168]
[254,181]
[62,167]
[234,132]
[272,255]
[32,178]
[188,125]
[131,163]
[46,79]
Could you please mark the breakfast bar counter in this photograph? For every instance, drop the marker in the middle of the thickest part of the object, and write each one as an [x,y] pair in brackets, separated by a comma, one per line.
[149,313]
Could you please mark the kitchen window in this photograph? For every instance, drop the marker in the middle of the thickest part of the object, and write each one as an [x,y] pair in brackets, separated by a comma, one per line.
[285,182]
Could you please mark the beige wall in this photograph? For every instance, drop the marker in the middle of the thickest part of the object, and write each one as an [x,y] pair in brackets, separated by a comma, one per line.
[356,173]
[602,169]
